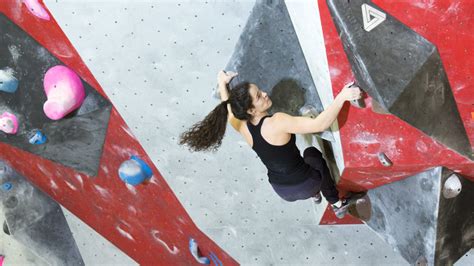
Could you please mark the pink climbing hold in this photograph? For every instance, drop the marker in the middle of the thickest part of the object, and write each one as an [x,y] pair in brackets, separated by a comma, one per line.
[64,90]
[2,258]
[35,7]
[8,123]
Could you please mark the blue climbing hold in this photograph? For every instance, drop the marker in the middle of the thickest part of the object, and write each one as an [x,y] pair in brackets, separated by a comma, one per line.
[134,171]
[37,138]
[194,249]
[146,169]
[7,186]
[8,83]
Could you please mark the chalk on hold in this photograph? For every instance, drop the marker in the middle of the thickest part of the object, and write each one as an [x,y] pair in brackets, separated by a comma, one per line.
[134,171]
[8,82]
[384,160]
[37,137]
[8,123]
[194,249]
[35,7]
[452,187]
[64,91]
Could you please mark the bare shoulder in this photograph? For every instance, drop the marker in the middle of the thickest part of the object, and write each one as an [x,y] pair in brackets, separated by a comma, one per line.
[280,118]
[295,124]
[278,121]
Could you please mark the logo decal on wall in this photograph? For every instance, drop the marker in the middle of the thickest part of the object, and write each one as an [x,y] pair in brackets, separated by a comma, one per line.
[371,17]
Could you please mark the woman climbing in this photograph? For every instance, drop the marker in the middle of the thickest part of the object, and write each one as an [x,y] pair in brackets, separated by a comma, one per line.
[292,176]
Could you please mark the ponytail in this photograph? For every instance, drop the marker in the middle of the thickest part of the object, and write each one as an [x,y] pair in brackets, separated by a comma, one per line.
[207,135]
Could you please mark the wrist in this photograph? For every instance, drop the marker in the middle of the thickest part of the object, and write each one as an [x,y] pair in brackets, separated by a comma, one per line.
[339,99]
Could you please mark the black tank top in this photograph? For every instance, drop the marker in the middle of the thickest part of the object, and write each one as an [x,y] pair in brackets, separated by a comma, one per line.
[284,163]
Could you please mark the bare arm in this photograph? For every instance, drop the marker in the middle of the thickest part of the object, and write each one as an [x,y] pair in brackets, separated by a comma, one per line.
[223,79]
[223,92]
[304,125]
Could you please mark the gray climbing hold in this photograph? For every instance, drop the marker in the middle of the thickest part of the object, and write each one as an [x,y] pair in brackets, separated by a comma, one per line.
[452,187]
[362,209]
[311,111]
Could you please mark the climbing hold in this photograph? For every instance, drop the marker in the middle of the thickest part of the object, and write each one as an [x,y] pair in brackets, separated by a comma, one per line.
[8,123]
[8,82]
[360,103]
[64,90]
[3,170]
[384,160]
[214,259]
[11,202]
[36,9]
[37,137]
[193,247]
[421,261]
[7,186]
[310,111]
[134,171]
[362,208]
[6,230]
[2,258]
[452,187]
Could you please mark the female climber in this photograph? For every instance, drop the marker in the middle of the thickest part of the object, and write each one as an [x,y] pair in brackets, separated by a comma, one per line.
[292,176]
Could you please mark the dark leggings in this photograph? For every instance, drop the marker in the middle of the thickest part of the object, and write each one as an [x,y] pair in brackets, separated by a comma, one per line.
[314,158]
[319,181]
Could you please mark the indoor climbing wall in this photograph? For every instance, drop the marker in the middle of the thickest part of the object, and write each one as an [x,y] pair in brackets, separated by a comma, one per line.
[61,132]
[415,126]
[366,133]
[153,64]
[171,53]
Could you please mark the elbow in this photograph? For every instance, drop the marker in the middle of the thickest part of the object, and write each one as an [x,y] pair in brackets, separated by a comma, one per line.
[323,126]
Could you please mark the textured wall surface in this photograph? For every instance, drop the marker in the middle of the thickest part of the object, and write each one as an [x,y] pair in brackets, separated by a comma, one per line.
[157,62]
[146,221]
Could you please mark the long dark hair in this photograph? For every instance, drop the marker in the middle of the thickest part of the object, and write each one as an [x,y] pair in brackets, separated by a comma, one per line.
[207,135]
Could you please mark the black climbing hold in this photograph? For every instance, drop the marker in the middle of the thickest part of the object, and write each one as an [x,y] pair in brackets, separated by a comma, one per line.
[6,230]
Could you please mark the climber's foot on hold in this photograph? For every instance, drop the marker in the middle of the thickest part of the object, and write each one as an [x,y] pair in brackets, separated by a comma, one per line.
[317,198]
[344,204]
